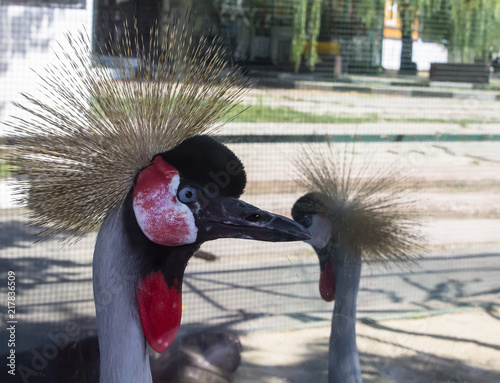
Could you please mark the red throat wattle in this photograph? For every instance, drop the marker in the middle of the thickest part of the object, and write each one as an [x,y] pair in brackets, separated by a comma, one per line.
[327,282]
[160,310]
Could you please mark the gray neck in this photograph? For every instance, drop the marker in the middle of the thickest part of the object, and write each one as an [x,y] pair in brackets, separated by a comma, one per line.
[343,366]
[123,351]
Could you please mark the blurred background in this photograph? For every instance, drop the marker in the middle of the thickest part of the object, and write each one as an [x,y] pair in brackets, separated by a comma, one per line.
[411,82]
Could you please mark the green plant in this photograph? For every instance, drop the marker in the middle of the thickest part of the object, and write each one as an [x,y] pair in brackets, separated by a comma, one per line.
[5,170]
[263,113]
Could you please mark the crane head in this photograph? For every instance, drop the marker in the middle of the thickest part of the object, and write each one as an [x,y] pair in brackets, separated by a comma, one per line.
[187,196]
[190,195]
[311,211]
[354,211]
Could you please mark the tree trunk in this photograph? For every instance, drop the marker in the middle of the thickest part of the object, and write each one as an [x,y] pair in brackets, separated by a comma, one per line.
[407,66]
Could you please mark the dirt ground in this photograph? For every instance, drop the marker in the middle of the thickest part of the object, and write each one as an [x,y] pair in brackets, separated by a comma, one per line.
[454,348]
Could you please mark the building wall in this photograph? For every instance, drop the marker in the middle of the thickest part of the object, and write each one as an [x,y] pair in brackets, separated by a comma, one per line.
[28,36]
[392,22]
[424,54]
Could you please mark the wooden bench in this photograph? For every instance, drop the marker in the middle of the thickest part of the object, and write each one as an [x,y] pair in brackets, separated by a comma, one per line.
[471,73]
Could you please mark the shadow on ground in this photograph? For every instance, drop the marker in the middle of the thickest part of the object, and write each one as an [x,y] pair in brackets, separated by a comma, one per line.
[32,272]
[421,368]
[16,233]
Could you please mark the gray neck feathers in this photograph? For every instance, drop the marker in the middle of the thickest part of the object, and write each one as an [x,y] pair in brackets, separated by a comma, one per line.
[343,354]
[123,351]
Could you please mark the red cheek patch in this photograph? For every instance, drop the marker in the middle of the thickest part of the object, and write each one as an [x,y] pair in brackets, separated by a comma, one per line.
[327,282]
[160,310]
[161,217]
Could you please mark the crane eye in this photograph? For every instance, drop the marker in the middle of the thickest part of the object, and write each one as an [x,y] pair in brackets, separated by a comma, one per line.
[306,220]
[187,194]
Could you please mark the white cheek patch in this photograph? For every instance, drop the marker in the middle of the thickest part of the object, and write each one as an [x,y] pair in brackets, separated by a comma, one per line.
[321,231]
[162,218]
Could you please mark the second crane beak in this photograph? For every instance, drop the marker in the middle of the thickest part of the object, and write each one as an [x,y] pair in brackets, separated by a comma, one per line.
[226,217]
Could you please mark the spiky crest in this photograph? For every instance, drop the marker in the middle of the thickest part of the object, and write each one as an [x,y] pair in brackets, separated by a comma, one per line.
[88,134]
[370,207]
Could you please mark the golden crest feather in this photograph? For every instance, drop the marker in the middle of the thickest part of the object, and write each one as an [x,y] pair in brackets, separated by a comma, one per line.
[90,132]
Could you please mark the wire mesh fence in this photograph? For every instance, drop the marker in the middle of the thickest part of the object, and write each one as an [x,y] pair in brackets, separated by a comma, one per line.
[359,93]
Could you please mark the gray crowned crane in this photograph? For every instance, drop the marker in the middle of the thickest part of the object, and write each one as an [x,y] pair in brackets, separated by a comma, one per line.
[351,218]
[133,158]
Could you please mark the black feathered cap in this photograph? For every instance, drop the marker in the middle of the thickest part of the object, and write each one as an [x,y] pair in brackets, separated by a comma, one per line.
[307,205]
[204,160]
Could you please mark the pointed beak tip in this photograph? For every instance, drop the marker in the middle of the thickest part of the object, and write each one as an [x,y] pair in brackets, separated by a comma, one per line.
[294,231]
[304,235]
